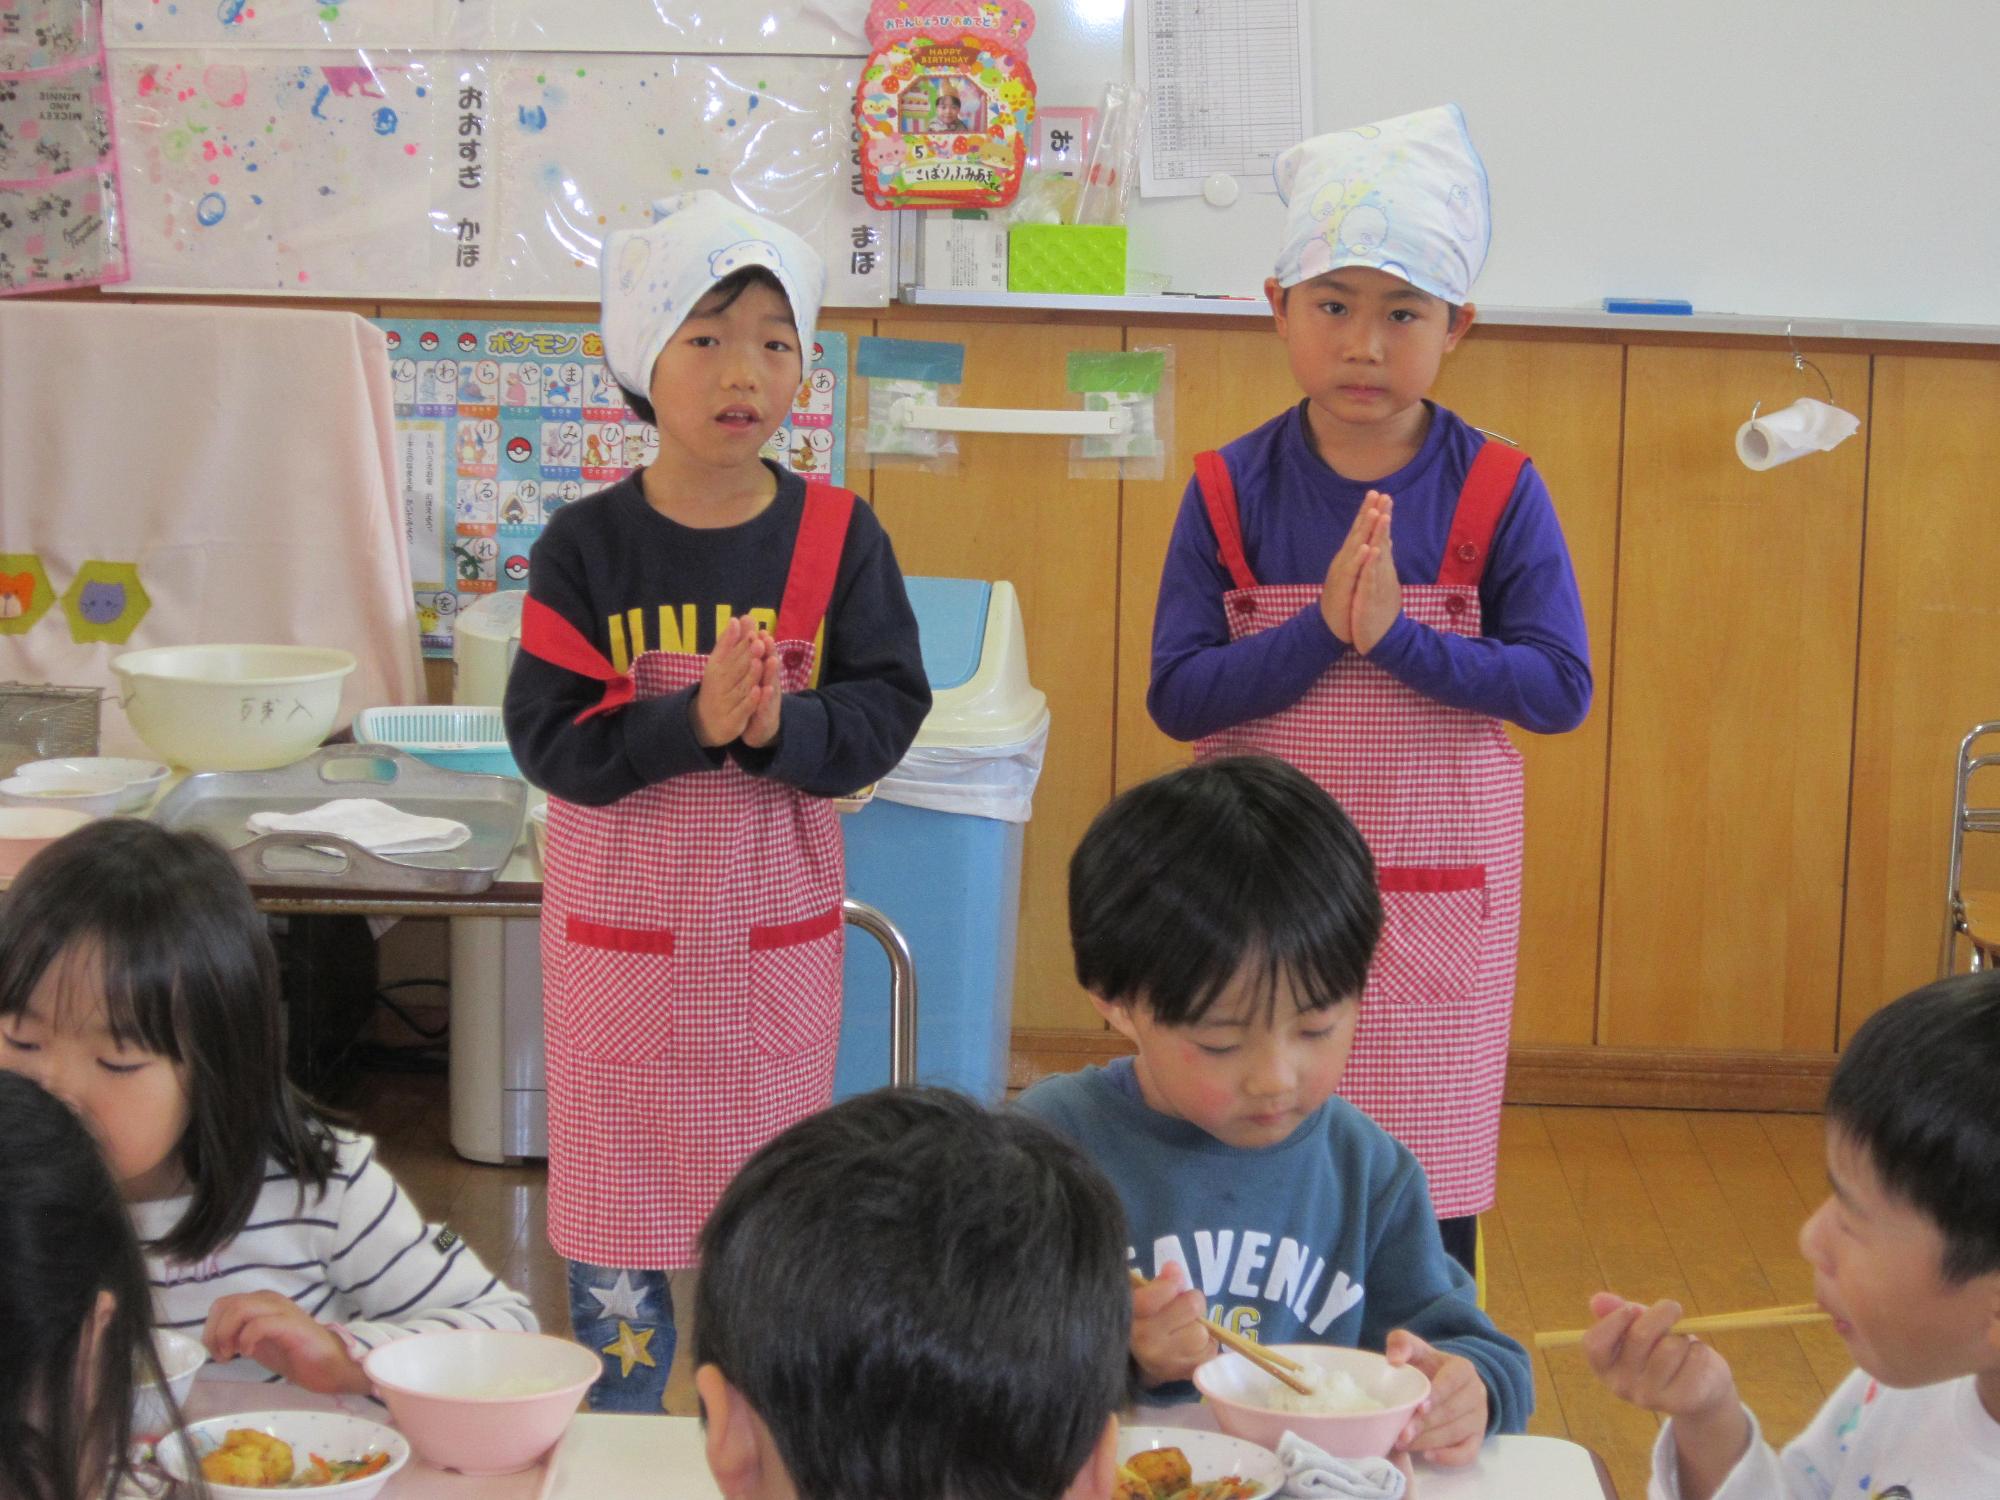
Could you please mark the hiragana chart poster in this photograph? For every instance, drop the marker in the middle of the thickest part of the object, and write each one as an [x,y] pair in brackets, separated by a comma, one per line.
[500,425]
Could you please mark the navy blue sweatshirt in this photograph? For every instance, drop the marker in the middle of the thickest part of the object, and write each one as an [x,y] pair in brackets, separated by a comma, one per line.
[610,558]
[1325,1238]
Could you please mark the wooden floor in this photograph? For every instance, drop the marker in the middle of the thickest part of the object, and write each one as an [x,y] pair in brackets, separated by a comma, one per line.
[1651,1203]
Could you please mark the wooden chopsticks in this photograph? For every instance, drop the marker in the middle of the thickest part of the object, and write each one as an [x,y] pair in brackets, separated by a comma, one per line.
[1281,1367]
[1760,1317]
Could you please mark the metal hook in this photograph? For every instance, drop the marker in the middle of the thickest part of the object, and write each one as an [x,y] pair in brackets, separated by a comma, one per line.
[1801,364]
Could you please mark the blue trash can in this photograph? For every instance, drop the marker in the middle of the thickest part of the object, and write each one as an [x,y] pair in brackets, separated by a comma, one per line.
[938,849]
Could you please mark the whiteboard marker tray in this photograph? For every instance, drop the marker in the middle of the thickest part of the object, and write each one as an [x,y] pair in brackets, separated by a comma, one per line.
[219,804]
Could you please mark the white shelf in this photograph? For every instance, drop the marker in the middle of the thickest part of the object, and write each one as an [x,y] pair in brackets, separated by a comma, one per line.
[1514,317]
[1703,322]
[1165,302]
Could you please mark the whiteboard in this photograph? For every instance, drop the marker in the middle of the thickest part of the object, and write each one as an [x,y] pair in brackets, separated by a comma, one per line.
[1810,159]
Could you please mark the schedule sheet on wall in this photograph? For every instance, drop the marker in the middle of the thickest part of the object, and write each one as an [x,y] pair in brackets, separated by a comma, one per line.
[499,425]
[1229,85]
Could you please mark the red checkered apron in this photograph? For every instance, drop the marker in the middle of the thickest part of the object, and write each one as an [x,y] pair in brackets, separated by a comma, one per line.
[1436,792]
[691,956]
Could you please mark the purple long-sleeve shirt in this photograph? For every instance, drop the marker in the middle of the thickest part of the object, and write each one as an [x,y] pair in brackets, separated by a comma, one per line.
[1530,664]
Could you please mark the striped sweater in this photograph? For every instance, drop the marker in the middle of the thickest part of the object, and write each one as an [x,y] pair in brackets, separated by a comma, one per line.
[358,1254]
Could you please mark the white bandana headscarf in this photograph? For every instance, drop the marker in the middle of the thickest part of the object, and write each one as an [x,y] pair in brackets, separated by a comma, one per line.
[1407,196]
[654,276]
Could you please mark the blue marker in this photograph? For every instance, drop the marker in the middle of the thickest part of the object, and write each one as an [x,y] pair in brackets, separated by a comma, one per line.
[1651,306]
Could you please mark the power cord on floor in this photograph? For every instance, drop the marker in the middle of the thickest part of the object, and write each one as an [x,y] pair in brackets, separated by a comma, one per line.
[429,1034]
[429,1054]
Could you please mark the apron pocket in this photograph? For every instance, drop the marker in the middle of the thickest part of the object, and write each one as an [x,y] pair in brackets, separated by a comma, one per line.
[1433,927]
[795,985]
[618,992]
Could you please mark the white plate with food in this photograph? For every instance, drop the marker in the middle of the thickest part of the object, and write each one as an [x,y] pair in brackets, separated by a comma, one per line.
[1188,1463]
[252,1453]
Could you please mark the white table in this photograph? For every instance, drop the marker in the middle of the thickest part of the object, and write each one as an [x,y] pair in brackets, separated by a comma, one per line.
[605,1457]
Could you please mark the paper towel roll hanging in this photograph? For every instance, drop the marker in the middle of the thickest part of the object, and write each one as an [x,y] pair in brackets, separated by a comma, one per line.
[1806,426]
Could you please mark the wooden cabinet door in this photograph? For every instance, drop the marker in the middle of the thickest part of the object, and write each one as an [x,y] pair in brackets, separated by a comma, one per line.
[1012,511]
[1930,665]
[1732,712]
[1561,402]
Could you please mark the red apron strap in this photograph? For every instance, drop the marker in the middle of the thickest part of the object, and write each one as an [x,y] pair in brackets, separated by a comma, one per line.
[1489,485]
[815,562]
[547,635]
[1218,494]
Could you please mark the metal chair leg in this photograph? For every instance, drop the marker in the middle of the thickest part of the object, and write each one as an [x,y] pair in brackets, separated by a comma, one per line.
[902,988]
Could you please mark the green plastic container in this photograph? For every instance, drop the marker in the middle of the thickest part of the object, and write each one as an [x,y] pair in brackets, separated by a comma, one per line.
[1080,259]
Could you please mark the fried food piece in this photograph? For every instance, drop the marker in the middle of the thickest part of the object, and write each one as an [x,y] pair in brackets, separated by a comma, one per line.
[1166,1471]
[1130,1486]
[249,1457]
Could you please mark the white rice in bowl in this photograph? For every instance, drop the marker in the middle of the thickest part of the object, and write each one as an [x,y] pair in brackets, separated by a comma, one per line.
[1333,1391]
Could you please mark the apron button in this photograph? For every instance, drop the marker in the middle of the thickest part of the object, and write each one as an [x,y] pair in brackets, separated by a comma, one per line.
[1467,552]
[1241,605]
[1454,605]
[794,658]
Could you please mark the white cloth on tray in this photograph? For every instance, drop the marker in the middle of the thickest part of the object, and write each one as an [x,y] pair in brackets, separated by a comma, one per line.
[375,826]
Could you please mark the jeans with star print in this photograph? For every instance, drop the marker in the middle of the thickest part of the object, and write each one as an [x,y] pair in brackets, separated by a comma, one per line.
[627,1317]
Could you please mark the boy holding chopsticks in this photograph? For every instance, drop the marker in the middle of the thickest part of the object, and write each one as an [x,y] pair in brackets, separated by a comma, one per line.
[1905,1254]
[1224,917]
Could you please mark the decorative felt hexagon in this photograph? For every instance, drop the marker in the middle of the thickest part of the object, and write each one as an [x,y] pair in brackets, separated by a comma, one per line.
[105,602]
[25,592]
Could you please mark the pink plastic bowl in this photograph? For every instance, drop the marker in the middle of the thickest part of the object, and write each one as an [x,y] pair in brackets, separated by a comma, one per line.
[479,1402]
[1239,1391]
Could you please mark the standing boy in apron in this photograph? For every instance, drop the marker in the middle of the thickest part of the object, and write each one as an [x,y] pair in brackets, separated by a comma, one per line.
[1366,586]
[710,649]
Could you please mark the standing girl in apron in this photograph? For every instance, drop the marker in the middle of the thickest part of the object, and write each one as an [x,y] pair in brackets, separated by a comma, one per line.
[1366,586]
[710,649]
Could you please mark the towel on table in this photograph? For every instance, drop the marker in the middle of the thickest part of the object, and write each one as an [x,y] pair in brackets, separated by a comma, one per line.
[375,826]
[1313,1474]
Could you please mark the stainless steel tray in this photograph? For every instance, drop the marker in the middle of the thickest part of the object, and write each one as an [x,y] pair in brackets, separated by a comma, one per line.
[219,803]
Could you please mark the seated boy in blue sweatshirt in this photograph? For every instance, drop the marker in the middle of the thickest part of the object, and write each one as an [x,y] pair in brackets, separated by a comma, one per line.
[1223,918]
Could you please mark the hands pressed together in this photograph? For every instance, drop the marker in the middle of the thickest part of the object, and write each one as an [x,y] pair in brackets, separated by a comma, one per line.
[1362,596]
[739,697]
[1170,1337]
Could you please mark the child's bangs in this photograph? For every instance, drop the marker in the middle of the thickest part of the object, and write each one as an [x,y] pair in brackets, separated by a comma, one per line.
[140,983]
[1263,974]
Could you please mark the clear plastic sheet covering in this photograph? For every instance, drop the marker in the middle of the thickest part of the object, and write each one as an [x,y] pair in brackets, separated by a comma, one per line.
[468,175]
[788,27]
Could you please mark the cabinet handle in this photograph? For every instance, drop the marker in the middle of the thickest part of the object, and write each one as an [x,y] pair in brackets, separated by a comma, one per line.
[1015,419]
